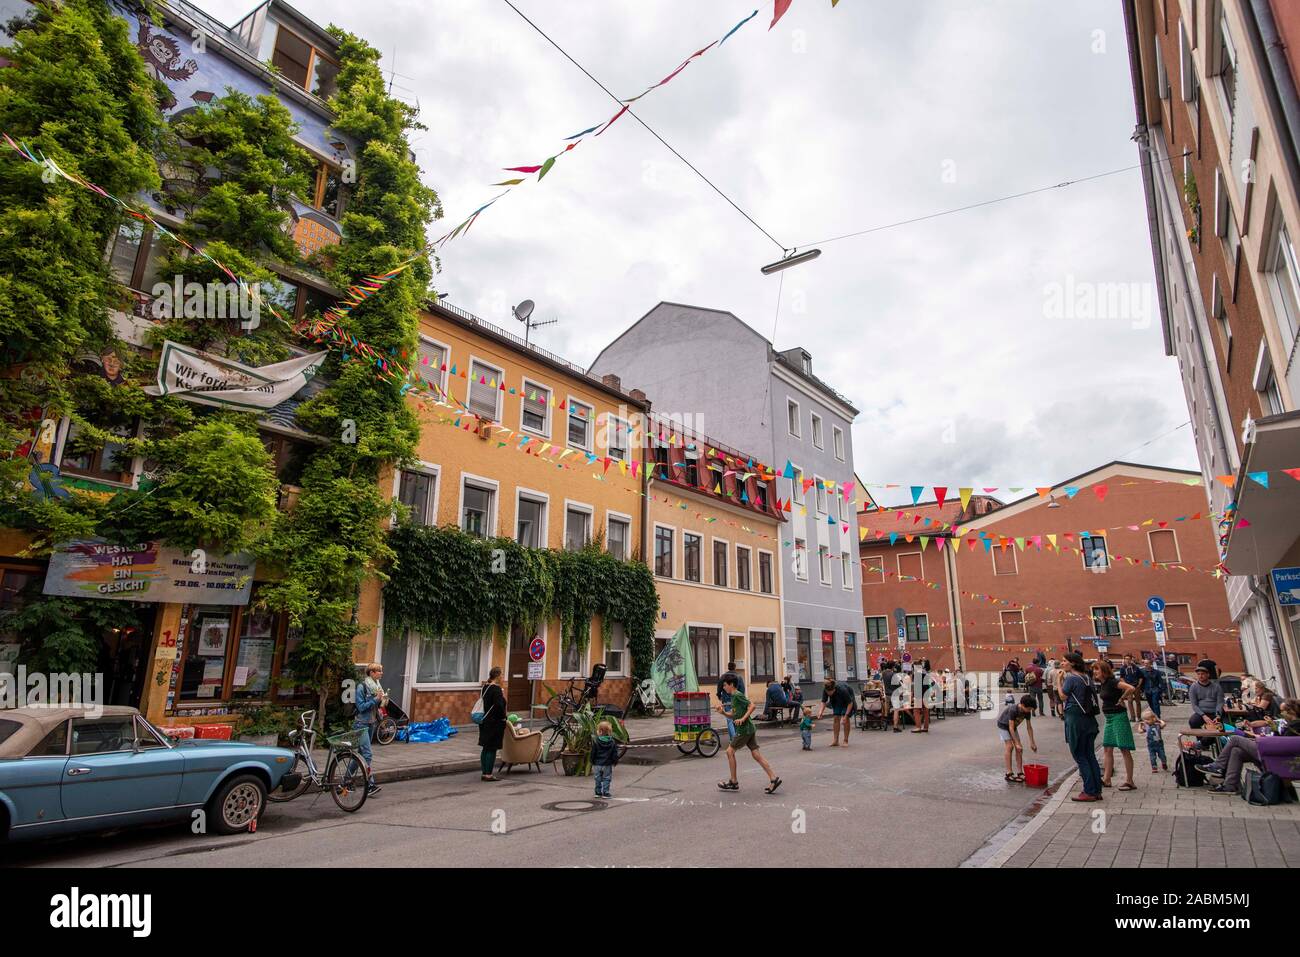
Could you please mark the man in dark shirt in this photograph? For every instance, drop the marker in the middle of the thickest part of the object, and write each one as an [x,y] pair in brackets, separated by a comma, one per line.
[840,697]
[888,675]
[1130,673]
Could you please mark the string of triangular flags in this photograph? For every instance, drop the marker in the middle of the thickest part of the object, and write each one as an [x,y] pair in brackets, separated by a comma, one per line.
[939,525]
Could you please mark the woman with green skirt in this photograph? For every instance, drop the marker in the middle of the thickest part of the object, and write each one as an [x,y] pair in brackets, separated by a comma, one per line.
[1117,733]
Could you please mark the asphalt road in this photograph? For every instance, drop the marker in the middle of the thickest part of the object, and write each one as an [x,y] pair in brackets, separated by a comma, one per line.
[888,799]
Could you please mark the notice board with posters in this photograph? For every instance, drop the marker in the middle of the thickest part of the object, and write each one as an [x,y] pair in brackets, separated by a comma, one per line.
[148,571]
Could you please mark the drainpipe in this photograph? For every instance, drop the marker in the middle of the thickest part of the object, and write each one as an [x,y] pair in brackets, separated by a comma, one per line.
[950,564]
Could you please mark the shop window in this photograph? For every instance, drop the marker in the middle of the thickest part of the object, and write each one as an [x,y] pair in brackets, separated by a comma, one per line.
[850,655]
[762,655]
[254,654]
[828,654]
[448,660]
[803,650]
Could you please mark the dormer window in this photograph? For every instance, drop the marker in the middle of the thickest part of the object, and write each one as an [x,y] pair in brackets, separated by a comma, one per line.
[303,64]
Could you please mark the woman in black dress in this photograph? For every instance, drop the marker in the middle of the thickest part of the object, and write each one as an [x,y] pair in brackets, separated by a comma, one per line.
[492,729]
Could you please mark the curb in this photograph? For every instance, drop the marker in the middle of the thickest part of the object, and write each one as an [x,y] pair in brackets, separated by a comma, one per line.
[1039,813]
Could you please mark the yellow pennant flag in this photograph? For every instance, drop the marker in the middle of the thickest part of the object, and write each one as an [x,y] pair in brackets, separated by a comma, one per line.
[965,496]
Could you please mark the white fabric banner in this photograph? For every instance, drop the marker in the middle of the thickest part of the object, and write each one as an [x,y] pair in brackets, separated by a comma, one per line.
[197,376]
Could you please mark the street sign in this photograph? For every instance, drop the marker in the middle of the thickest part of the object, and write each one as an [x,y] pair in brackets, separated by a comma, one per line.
[537,649]
[1103,645]
[1156,604]
[535,671]
[1158,623]
[1286,582]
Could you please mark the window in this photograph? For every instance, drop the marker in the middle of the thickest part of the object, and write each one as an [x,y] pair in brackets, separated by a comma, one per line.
[135,256]
[108,463]
[1105,621]
[1164,547]
[720,563]
[910,566]
[877,628]
[103,735]
[760,495]
[580,425]
[1178,623]
[292,56]
[803,647]
[1162,71]
[1284,279]
[619,438]
[1227,71]
[662,460]
[873,569]
[762,657]
[331,194]
[691,546]
[1219,311]
[850,655]
[1004,560]
[742,568]
[801,559]
[663,551]
[530,522]
[792,416]
[765,573]
[484,389]
[433,363]
[416,491]
[690,470]
[448,660]
[796,486]
[820,488]
[917,627]
[1186,72]
[817,430]
[54,744]
[706,647]
[577,528]
[824,563]
[838,434]
[615,649]
[1013,626]
[1270,397]
[828,654]
[535,414]
[617,538]
[1094,552]
[846,571]
[572,660]
[477,511]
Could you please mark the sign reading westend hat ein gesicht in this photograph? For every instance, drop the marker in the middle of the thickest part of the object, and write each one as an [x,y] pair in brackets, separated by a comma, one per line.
[148,571]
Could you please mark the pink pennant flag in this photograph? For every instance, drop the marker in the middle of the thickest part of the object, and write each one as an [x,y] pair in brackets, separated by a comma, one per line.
[779,9]
[522,169]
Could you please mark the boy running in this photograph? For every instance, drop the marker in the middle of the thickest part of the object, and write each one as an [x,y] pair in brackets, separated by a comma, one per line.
[739,710]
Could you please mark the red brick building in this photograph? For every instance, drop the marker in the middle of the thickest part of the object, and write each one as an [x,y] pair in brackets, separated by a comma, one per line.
[1061,569]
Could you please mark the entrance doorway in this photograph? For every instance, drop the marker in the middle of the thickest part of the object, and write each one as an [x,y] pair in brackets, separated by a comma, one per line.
[519,690]
[125,665]
[393,656]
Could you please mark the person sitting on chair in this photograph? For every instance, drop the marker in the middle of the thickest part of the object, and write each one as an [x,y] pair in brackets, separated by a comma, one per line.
[777,702]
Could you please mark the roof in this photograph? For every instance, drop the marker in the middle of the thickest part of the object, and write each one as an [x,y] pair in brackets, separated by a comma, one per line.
[37,722]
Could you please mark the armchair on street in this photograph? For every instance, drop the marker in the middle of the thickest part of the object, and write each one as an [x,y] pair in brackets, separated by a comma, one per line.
[521,746]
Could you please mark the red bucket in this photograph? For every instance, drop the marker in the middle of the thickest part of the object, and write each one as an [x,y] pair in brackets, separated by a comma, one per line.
[1036,775]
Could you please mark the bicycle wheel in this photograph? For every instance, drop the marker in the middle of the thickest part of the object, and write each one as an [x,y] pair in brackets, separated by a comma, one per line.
[557,705]
[280,795]
[686,747]
[708,743]
[385,731]
[348,778]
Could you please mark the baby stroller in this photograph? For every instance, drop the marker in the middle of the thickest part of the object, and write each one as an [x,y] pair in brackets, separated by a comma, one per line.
[391,720]
[871,713]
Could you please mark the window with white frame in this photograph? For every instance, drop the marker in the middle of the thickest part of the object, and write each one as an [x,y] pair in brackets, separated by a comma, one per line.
[877,628]
[817,430]
[1105,621]
[535,416]
[824,563]
[615,649]
[484,390]
[580,427]
[573,659]
[1004,560]
[1227,70]
[617,537]
[618,438]
[820,488]
[1219,311]
[792,416]
[478,501]
[109,462]
[765,572]
[530,522]
[577,527]
[1284,281]
[846,571]
[433,363]
[1162,71]
[663,551]
[801,559]
[873,569]
[1012,624]
[838,435]
[1164,546]
[416,490]
[720,563]
[449,660]
[742,568]
[1094,552]
[796,485]
[692,547]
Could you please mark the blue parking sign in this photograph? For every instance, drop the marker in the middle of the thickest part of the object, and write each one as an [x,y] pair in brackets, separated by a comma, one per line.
[1286,582]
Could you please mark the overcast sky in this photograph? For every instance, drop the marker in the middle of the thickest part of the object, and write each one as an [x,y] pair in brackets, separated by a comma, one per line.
[944,333]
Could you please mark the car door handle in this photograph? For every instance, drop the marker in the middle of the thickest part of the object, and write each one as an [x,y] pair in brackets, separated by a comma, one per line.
[72,771]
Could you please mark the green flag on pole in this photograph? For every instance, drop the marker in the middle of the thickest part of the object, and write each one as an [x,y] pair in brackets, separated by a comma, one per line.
[674,669]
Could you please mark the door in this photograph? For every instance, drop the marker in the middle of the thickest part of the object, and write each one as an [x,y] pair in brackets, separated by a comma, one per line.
[828,654]
[33,782]
[105,776]
[393,657]
[519,690]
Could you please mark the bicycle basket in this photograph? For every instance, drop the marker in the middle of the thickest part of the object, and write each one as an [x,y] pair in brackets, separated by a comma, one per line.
[349,739]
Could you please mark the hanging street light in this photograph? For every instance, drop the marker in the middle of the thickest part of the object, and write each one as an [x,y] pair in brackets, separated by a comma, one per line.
[792,258]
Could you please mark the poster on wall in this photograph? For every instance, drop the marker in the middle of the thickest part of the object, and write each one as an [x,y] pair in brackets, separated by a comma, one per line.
[147,571]
[253,666]
[212,639]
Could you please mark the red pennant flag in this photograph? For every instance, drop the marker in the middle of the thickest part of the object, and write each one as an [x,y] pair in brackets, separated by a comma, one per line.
[779,9]
[940,493]
[1294,473]
[1101,491]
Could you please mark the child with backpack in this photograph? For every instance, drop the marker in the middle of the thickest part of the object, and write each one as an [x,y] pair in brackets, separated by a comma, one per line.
[604,755]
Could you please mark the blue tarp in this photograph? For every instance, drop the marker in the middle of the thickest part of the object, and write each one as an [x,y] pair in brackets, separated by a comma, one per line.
[427,732]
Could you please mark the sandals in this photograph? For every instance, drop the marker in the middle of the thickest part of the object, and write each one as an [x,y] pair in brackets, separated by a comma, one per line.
[728,785]
[771,788]
[1127,786]
[1014,778]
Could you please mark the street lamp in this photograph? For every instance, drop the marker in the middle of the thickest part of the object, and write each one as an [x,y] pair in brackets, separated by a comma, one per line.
[793,258]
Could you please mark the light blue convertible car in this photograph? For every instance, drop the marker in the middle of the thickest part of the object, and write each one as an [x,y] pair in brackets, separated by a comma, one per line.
[63,771]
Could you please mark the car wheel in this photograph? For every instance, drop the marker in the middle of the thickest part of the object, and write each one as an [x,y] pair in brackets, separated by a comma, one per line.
[237,803]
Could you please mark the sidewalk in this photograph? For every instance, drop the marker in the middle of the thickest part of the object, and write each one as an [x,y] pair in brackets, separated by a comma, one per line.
[1158,825]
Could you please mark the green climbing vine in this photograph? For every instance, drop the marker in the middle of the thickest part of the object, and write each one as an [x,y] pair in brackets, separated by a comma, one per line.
[447,582]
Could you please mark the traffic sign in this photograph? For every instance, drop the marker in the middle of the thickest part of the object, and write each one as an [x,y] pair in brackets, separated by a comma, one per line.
[537,649]
[1156,604]
[1103,646]
[1286,582]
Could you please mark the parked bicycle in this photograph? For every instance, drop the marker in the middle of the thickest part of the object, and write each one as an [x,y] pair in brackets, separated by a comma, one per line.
[346,773]
[645,700]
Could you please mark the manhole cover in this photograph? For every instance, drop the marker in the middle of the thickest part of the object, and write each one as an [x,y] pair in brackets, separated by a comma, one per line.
[575,806]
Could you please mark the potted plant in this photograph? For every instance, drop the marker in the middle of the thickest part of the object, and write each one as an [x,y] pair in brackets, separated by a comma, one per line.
[264,724]
[579,733]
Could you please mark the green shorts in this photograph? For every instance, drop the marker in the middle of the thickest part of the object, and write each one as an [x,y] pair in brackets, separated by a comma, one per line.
[745,739]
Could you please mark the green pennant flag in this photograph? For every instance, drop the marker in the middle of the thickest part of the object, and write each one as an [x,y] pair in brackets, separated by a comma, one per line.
[674,668]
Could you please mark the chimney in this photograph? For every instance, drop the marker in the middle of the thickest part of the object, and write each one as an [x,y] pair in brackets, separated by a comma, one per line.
[640,397]
[613,381]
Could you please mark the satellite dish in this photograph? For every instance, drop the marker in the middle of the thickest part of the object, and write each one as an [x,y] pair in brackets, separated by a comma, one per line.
[524,310]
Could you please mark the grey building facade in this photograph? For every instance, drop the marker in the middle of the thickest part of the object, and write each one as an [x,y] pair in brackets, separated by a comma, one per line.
[725,379]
